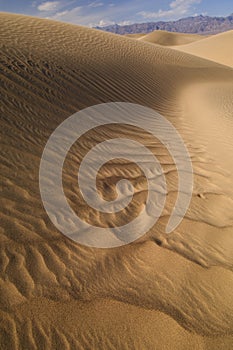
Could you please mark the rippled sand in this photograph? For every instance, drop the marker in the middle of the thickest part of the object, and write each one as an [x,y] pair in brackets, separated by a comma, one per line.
[162,291]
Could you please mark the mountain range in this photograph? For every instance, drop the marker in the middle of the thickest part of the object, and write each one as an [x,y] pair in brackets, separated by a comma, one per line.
[197,24]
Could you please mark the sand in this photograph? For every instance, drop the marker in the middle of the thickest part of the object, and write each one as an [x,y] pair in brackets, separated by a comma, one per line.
[162,291]
[135,36]
[218,48]
[164,38]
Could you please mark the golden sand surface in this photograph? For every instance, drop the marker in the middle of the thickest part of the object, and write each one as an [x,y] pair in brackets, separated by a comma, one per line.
[164,38]
[163,291]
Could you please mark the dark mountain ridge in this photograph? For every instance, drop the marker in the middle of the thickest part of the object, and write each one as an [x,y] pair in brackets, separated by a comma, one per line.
[194,25]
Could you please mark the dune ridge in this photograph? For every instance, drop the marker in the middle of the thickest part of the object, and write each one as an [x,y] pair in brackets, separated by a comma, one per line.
[174,290]
[164,38]
[218,48]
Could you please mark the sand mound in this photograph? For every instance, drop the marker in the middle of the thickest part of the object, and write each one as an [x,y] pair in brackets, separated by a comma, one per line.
[162,291]
[164,38]
[218,48]
[135,36]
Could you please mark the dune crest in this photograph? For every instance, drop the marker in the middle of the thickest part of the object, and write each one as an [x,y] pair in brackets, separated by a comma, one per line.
[164,38]
[218,48]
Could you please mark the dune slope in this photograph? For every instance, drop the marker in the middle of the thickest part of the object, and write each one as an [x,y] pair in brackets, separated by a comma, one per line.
[165,38]
[218,48]
[162,291]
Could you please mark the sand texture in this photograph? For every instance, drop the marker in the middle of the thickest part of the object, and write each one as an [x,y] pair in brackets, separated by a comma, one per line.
[218,48]
[163,291]
[164,38]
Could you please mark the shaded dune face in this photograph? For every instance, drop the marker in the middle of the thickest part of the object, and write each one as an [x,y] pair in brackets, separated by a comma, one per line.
[175,289]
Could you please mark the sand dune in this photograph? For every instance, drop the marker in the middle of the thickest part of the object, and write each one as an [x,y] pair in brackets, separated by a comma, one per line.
[218,48]
[161,37]
[135,36]
[162,291]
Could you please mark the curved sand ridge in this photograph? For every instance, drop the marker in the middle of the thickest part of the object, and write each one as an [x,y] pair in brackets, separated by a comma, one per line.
[172,290]
[218,48]
[164,38]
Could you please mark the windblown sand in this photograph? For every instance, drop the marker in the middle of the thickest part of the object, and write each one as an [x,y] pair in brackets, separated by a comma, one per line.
[164,38]
[218,48]
[163,291]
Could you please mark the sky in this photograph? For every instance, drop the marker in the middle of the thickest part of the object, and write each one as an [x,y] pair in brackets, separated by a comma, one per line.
[105,12]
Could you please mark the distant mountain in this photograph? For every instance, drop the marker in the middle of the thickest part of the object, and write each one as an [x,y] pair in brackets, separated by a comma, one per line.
[198,24]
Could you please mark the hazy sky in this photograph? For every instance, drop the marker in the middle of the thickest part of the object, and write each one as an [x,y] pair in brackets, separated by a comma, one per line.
[104,12]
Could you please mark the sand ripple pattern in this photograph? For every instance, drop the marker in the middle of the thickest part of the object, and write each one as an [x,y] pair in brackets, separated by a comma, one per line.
[72,129]
[175,289]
